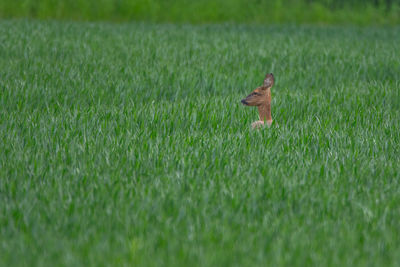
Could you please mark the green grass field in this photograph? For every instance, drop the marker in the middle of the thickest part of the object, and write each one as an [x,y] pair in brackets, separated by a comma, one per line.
[127,144]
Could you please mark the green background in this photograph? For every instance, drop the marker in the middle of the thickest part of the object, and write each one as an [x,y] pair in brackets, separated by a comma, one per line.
[362,12]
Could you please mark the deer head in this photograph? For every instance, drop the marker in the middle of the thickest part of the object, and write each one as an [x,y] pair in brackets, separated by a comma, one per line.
[261,97]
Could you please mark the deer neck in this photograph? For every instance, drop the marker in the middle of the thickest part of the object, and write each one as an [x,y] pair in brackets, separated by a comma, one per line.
[265,108]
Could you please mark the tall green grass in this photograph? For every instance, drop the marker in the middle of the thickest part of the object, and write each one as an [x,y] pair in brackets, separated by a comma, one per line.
[128,145]
[365,12]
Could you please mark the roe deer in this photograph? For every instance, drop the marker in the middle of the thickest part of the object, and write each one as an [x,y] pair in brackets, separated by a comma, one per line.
[261,97]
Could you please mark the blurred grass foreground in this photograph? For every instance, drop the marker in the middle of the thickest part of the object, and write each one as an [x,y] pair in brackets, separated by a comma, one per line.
[360,12]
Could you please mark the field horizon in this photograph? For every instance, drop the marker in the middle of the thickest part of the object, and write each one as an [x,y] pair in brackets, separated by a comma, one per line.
[126,144]
[365,12]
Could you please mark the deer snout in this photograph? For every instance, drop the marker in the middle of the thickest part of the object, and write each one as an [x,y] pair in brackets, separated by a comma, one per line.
[244,102]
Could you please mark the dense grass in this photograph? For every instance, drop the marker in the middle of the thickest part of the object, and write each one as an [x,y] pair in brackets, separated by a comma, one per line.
[361,12]
[128,145]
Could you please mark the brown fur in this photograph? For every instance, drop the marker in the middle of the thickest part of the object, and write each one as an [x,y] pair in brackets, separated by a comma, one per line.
[261,97]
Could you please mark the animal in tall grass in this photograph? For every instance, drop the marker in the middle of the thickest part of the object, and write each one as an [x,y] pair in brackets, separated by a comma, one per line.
[261,98]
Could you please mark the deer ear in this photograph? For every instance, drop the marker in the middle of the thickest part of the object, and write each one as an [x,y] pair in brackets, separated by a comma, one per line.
[269,80]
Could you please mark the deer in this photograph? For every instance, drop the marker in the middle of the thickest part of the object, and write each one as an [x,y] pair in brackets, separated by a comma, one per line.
[261,98]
